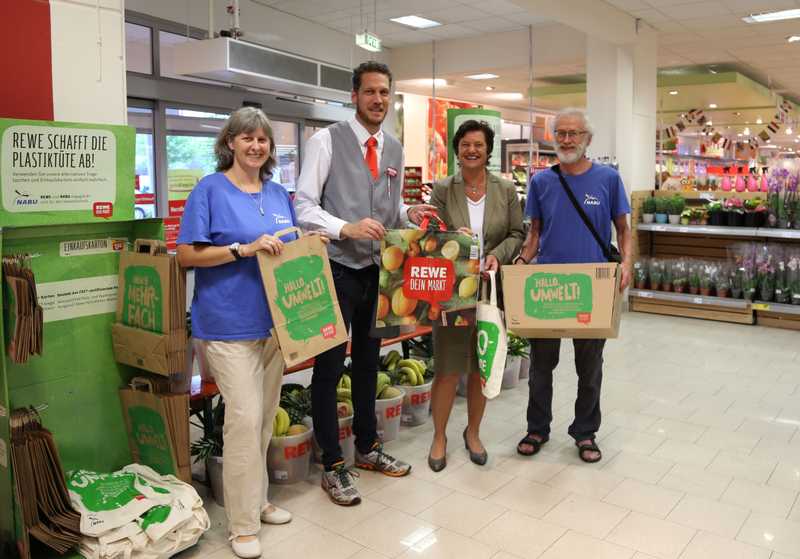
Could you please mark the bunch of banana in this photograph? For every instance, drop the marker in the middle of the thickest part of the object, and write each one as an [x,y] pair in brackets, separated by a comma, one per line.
[345,382]
[412,372]
[281,423]
[391,360]
[383,382]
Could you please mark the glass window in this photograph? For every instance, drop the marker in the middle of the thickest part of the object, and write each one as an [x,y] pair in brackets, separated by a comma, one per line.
[190,141]
[138,48]
[286,150]
[145,183]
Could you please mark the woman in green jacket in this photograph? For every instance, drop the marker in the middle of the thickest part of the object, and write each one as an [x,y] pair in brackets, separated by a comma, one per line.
[474,202]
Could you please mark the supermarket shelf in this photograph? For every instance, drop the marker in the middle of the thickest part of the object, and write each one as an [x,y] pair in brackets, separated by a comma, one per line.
[779,308]
[699,229]
[721,231]
[702,157]
[779,233]
[690,299]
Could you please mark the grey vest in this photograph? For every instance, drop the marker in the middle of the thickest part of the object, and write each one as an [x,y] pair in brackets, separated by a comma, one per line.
[351,194]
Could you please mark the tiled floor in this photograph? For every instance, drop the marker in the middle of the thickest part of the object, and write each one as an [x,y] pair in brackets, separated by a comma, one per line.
[701,461]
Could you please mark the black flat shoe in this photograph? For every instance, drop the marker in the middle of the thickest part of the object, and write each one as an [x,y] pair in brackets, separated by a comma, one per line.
[438,464]
[478,458]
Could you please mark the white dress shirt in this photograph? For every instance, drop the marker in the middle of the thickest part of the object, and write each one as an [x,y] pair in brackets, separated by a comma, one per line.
[314,172]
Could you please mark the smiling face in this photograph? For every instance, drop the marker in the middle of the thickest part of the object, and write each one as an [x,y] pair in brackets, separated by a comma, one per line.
[572,138]
[372,100]
[473,150]
[250,149]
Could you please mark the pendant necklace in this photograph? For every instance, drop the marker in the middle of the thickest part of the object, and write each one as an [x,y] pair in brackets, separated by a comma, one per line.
[260,194]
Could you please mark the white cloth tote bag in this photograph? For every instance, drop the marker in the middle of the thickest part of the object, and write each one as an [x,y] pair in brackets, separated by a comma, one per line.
[492,341]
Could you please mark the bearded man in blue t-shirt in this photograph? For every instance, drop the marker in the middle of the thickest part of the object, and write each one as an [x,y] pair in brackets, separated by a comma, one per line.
[558,235]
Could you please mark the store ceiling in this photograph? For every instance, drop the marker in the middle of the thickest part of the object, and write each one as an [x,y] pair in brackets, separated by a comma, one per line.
[698,40]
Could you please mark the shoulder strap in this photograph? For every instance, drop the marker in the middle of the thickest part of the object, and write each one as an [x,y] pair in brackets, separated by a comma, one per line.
[584,217]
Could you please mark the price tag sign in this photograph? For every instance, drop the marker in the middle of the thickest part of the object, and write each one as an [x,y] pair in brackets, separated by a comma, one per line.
[760,306]
[697,300]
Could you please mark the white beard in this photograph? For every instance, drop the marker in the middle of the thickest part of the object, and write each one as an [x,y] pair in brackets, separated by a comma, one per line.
[571,157]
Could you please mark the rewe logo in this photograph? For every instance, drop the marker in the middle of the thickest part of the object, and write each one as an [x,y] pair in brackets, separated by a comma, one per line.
[591,200]
[281,219]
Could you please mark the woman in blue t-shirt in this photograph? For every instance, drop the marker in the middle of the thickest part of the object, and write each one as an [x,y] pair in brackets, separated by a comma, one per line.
[229,216]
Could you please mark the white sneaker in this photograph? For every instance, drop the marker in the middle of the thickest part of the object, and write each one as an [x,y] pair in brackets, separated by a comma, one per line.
[247,550]
[275,516]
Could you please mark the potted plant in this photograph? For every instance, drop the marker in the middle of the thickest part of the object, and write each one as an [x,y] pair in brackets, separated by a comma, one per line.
[737,282]
[694,279]
[648,210]
[715,215]
[656,273]
[680,276]
[662,206]
[734,212]
[765,272]
[706,277]
[754,212]
[793,276]
[675,208]
[640,273]
[702,215]
[209,447]
[783,292]
[517,349]
[724,282]
[667,278]
[686,216]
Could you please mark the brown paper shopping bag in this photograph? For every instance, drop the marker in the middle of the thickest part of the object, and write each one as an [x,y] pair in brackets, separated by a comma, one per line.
[158,428]
[150,332]
[302,298]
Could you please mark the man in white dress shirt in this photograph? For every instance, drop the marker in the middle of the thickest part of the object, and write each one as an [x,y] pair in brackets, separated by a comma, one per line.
[350,190]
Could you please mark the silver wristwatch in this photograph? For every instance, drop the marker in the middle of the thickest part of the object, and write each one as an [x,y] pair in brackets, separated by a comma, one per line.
[234,248]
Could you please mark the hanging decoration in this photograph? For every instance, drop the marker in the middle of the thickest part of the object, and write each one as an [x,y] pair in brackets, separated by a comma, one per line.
[696,117]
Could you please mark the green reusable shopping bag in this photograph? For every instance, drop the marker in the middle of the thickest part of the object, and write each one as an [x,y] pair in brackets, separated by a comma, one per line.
[492,340]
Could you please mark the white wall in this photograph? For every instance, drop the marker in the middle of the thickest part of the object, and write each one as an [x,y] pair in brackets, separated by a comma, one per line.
[265,26]
[415,126]
[88,61]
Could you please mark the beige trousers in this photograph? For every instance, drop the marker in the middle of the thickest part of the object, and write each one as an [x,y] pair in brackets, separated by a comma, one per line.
[248,374]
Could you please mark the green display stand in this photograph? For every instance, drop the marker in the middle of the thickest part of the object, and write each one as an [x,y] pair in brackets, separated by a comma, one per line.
[75,259]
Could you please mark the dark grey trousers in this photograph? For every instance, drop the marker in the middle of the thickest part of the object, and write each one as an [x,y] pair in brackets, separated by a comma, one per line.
[588,366]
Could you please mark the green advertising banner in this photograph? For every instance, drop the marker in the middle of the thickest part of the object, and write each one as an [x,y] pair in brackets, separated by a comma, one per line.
[456,117]
[55,173]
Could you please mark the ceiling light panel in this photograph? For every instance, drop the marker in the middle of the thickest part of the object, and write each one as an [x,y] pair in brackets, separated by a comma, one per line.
[416,22]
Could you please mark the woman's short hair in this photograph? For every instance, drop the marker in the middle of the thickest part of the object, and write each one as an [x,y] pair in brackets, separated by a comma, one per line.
[475,126]
[245,120]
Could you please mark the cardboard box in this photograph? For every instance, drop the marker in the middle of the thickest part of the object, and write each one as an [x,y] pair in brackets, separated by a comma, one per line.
[302,298]
[563,300]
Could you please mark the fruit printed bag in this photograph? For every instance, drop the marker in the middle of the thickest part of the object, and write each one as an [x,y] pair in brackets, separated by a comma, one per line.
[428,275]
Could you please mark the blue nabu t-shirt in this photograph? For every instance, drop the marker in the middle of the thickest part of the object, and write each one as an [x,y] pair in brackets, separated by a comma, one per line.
[229,301]
[564,238]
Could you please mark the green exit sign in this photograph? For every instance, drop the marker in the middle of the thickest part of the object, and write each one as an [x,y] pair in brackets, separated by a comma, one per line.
[368,41]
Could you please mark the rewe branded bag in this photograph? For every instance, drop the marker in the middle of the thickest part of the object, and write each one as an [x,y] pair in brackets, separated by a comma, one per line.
[427,276]
[492,340]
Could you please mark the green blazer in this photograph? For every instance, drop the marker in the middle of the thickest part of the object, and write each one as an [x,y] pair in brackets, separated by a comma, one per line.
[503,232]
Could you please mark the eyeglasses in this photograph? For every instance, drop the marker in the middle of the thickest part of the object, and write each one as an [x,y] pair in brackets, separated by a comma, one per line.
[571,134]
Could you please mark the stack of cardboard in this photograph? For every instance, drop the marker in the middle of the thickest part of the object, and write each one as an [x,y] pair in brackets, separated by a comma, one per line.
[24,315]
[158,428]
[41,492]
[150,332]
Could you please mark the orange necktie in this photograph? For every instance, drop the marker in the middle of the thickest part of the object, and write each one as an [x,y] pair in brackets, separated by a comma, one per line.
[371,157]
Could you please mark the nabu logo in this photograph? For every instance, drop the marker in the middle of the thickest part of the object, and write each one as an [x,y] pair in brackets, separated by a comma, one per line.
[591,200]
